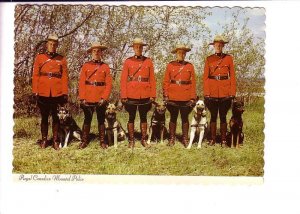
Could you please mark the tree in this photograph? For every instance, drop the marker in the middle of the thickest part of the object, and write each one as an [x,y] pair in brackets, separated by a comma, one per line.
[78,26]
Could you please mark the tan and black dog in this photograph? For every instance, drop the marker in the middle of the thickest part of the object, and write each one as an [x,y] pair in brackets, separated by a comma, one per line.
[114,131]
[157,129]
[199,124]
[236,136]
[68,128]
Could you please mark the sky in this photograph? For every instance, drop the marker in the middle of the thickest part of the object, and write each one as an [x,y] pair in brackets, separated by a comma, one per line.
[223,15]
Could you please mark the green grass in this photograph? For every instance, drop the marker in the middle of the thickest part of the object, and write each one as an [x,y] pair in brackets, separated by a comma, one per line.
[157,160]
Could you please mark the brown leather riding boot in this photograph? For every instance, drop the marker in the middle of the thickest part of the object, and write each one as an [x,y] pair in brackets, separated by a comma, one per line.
[144,134]
[55,136]
[213,132]
[130,127]
[223,130]
[85,136]
[185,134]
[101,129]
[44,131]
[172,130]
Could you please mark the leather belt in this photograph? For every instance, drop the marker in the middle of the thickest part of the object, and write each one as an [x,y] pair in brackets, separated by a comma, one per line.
[181,82]
[219,77]
[95,83]
[138,79]
[51,74]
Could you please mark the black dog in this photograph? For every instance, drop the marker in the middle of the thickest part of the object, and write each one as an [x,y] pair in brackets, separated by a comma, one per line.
[236,136]
[67,126]
[157,129]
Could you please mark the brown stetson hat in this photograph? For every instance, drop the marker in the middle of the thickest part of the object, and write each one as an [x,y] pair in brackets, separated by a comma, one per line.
[219,38]
[96,45]
[52,37]
[180,47]
[138,41]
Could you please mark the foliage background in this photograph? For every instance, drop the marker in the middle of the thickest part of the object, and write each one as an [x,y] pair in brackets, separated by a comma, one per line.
[77,26]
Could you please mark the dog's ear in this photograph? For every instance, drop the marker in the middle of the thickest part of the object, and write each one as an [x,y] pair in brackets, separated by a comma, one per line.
[197,98]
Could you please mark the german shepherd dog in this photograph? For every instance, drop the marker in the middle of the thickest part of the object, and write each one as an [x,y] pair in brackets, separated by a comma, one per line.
[199,124]
[236,136]
[67,126]
[157,129]
[114,131]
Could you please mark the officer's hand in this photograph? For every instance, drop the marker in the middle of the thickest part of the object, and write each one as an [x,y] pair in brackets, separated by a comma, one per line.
[166,99]
[152,99]
[191,103]
[124,100]
[101,102]
[82,102]
[34,97]
[65,98]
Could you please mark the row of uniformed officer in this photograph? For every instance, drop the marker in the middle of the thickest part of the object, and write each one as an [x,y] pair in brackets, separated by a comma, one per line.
[138,88]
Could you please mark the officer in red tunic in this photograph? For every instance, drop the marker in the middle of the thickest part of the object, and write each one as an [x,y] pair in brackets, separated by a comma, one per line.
[95,85]
[50,87]
[179,88]
[138,89]
[219,87]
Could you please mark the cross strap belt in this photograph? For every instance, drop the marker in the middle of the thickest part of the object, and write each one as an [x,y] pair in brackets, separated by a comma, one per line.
[138,79]
[95,83]
[181,82]
[51,74]
[219,77]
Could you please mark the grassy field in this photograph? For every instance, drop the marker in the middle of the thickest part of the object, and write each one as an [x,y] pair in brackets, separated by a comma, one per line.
[157,160]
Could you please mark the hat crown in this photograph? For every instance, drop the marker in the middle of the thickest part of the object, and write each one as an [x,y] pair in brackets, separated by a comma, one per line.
[138,41]
[219,38]
[95,44]
[181,46]
[53,36]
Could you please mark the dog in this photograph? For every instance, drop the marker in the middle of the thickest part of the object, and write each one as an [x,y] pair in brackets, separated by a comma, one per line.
[157,128]
[114,131]
[236,136]
[199,124]
[67,126]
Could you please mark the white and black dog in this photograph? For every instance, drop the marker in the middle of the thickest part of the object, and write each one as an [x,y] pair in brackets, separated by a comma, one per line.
[199,124]
[114,131]
[157,129]
[67,126]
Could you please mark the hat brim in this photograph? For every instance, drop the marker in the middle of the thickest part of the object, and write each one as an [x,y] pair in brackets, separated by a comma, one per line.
[54,40]
[142,44]
[185,49]
[212,43]
[100,47]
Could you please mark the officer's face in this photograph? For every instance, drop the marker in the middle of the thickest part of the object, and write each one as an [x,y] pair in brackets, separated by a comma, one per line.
[138,49]
[218,47]
[52,46]
[180,54]
[96,53]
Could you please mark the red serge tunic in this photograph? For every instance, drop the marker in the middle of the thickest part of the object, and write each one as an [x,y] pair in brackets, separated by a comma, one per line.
[179,81]
[223,67]
[137,79]
[50,75]
[95,82]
